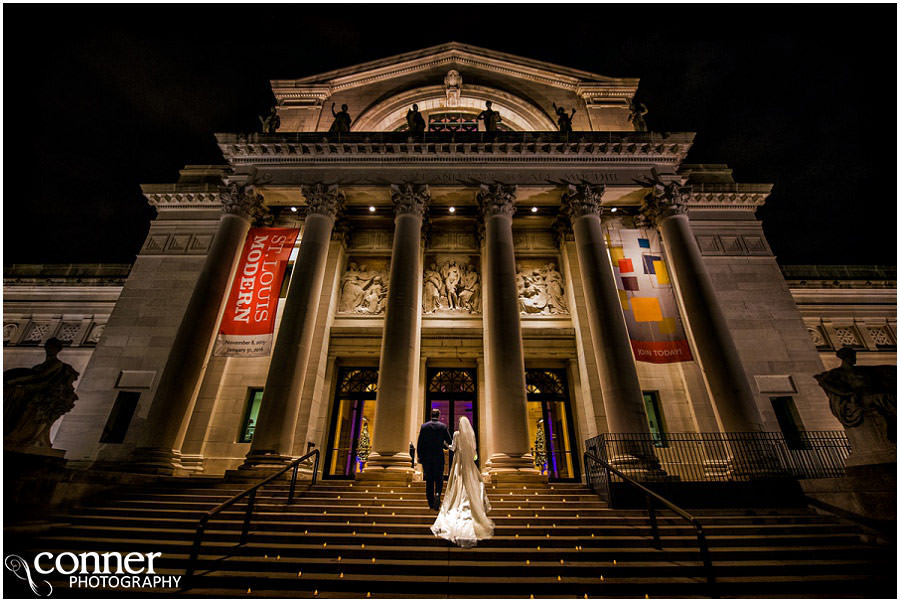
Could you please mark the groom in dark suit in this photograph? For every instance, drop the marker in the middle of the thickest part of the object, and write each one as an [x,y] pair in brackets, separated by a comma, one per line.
[433,437]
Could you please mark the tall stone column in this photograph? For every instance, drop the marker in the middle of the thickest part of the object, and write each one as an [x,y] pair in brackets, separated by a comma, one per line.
[274,434]
[511,457]
[623,399]
[398,367]
[735,402]
[156,451]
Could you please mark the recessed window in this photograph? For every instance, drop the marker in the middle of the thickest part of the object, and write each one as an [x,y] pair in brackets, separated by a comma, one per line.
[120,417]
[254,399]
[655,419]
[789,422]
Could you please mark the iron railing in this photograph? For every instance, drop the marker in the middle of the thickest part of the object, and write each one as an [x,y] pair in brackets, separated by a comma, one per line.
[594,465]
[729,457]
[251,503]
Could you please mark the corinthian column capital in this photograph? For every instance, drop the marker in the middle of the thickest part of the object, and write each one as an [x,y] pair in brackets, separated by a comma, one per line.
[664,201]
[496,199]
[410,199]
[323,199]
[583,199]
[243,200]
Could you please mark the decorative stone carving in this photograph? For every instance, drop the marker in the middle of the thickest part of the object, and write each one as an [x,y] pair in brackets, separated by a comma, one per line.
[846,336]
[36,332]
[582,199]
[864,400]
[451,284]
[664,200]
[541,290]
[452,240]
[9,331]
[364,288]
[323,199]
[410,198]
[496,199]
[96,332]
[68,331]
[880,335]
[453,84]
[243,200]
[34,398]
[815,335]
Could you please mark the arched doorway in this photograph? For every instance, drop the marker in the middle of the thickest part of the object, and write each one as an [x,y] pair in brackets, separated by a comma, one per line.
[453,391]
[550,427]
[352,422]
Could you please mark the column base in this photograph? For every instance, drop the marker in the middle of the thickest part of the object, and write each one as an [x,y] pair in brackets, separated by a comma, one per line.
[388,467]
[154,460]
[265,460]
[509,468]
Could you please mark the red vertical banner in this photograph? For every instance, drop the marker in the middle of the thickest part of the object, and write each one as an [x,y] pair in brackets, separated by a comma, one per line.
[248,323]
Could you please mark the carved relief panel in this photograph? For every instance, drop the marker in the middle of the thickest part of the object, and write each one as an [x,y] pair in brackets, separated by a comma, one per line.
[541,288]
[364,286]
[451,285]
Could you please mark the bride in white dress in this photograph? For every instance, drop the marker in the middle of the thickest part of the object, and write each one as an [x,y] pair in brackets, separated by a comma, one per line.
[463,516]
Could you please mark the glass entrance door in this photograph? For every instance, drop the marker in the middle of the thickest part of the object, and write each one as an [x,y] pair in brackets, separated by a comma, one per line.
[550,426]
[453,392]
[352,423]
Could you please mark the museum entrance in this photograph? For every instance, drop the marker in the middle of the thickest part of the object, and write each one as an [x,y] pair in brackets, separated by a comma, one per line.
[352,423]
[550,428]
[453,392]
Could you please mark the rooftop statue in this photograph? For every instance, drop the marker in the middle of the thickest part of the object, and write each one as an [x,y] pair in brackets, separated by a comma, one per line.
[636,112]
[271,122]
[563,119]
[341,124]
[415,121]
[490,117]
[35,398]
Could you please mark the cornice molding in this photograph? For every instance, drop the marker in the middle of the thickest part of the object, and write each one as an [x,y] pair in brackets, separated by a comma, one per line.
[727,200]
[184,200]
[523,148]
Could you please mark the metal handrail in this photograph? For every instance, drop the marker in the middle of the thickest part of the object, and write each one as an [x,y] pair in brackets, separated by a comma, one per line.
[651,511]
[250,491]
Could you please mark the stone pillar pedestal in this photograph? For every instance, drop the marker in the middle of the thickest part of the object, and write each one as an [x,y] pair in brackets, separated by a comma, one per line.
[398,367]
[156,452]
[623,399]
[273,437]
[511,458]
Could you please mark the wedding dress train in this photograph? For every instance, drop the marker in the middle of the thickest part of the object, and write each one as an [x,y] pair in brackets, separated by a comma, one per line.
[463,515]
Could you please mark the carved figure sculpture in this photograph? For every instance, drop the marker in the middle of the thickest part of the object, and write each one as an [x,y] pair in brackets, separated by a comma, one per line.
[451,287]
[453,83]
[563,120]
[362,291]
[541,291]
[341,123]
[34,398]
[433,284]
[490,117]
[862,398]
[415,121]
[271,122]
[636,112]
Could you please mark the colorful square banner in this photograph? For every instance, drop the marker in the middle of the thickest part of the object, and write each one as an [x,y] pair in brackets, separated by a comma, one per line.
[648,302]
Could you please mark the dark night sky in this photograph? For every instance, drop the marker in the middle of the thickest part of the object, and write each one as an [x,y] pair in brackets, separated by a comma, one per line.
[99,99]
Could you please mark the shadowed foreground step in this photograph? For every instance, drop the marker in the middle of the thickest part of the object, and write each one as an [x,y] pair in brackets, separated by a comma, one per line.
[343,539]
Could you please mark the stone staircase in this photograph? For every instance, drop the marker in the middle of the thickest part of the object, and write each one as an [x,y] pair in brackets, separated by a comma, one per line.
[361,539]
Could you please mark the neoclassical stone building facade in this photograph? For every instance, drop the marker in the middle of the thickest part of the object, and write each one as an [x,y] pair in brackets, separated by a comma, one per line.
[548,285]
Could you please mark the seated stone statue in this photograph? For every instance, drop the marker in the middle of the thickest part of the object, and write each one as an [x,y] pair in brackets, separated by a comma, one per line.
[864,400]
[35,398]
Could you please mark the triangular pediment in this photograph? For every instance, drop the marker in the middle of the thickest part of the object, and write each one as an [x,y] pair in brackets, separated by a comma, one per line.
[455,55]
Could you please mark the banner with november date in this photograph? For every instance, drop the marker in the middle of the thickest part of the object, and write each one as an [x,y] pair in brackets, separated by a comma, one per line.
[648,300]
[248,323]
